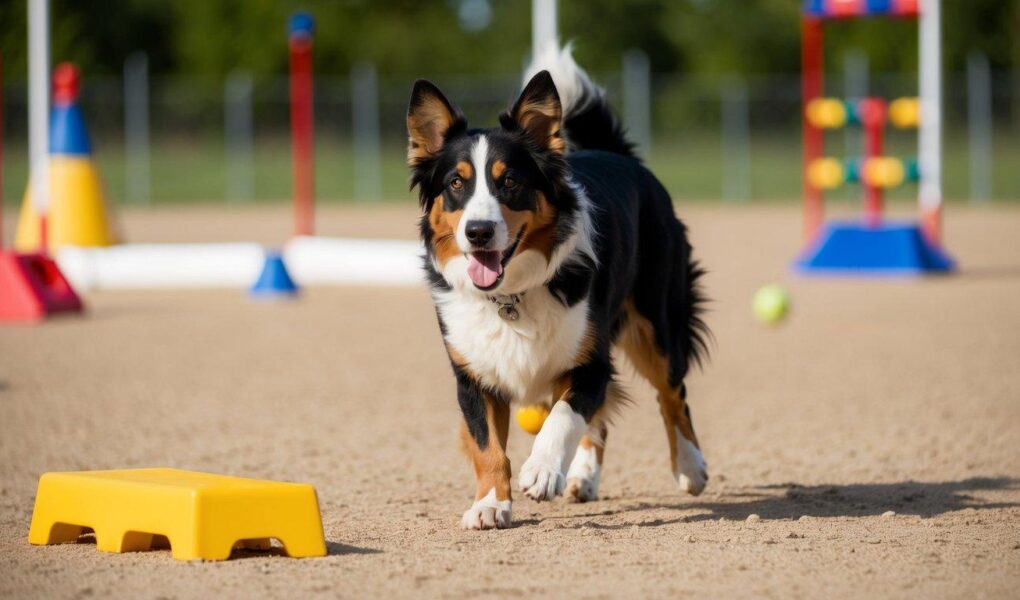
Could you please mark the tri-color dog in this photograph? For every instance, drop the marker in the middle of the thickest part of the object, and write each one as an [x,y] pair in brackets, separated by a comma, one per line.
[547,243]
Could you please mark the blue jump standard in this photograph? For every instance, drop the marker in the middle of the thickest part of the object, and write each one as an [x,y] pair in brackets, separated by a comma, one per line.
[851,248]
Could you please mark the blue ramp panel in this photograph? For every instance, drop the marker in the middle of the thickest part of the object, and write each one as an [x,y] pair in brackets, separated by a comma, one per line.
[850,248]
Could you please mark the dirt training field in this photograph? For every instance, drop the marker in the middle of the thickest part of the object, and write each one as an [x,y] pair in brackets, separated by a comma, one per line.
[874,396]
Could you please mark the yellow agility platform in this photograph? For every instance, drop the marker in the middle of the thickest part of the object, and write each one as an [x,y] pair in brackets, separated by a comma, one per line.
[201,515]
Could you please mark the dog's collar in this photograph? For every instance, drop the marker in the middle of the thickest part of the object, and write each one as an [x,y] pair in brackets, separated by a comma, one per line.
[507,306]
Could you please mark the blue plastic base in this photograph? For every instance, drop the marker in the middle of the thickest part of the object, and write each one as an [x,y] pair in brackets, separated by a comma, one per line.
[274,281]
[850,248]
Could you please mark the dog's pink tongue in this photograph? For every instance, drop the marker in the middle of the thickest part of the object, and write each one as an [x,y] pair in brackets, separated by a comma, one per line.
[484,268]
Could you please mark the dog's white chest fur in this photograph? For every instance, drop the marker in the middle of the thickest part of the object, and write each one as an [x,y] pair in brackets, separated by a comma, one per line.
[522,357]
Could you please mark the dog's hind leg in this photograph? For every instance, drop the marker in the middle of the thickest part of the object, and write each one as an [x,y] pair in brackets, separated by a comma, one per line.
[688,463]
[637,339]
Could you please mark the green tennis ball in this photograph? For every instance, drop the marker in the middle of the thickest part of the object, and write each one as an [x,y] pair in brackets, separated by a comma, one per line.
[770,303]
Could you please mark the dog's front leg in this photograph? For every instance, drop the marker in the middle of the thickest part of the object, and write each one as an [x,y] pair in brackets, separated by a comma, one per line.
[580,393]
[483,434]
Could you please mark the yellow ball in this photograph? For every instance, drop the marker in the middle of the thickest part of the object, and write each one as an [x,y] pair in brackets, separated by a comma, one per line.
[530,418]
[826,113]
[905,113]
[770,304]
[884,171]
[825,173]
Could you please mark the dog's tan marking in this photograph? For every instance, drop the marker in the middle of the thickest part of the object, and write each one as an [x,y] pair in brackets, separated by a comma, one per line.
[492,467]
[456,357]
[498,168]
[583,478]
[588,442]
[589,343]
[561,388]
[444,227]
[465,170]
[539,226]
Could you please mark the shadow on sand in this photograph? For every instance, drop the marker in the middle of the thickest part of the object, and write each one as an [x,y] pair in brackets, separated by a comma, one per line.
[792,501]
[332,548]
[338,549]
[982,273]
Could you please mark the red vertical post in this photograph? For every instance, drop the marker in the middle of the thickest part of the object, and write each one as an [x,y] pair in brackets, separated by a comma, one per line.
[931,224]
[300,43]
[1,152]
[873,113]
[811,82]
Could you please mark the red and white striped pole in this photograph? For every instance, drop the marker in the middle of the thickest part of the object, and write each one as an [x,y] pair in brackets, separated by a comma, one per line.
[300,42]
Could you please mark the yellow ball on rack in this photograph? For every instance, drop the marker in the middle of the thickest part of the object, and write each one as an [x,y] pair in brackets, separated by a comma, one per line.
[826,113]
[883,171]
[905,113]
[826,173]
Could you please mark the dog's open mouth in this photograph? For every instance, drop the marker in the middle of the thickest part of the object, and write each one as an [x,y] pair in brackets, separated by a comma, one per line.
[485,267]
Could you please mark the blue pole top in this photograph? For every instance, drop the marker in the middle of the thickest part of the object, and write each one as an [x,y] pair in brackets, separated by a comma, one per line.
[301,25]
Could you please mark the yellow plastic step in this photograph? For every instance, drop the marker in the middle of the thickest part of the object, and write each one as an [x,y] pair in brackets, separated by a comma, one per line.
[202,515]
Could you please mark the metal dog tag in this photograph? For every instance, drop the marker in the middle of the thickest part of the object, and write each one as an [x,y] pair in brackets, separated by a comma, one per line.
[508,313]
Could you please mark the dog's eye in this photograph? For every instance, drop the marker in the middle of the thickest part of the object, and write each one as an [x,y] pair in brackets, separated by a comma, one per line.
[457,184]
[509,183]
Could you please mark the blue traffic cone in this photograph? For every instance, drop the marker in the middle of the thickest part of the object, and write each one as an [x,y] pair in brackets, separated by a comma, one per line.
[274,281]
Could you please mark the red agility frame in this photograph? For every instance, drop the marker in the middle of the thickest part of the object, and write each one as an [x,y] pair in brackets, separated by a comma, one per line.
[812,82]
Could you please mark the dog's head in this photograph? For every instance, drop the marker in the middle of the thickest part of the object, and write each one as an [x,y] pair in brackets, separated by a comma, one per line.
[492,198]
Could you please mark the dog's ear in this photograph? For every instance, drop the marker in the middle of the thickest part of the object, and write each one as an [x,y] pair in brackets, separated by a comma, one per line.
[430,119]
[537,112]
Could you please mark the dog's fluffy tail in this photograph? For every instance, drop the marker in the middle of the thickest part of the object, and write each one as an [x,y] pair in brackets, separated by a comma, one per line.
[588,121]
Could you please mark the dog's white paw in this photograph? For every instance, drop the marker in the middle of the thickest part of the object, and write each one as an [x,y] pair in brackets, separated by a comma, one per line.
[541,479]
[691,471]
[583,476]
[487,513]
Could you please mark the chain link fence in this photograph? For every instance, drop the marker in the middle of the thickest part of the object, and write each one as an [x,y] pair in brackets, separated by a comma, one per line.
[726,137]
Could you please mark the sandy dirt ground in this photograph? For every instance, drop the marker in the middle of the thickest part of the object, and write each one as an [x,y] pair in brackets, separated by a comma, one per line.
[874,396]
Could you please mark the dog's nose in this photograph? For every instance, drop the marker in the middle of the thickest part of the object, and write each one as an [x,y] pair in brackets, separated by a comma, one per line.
[480,233]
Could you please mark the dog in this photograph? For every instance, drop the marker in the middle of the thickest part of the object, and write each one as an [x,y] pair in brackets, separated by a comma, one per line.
[547,244]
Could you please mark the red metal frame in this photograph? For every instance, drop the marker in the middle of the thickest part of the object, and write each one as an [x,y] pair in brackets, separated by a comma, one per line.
[301,133]
[872,112]
[1,152]
[931,224]
[811,83]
